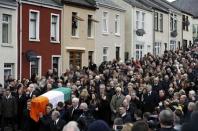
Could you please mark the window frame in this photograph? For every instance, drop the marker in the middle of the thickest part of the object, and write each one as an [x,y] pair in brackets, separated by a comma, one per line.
[140,44]
[77,29]
[37,25]
[156,21]
[105,55]
[173,44]
[92,27]
[59,63]
[9,24]
[161,22]
[157,48]
[39,68]
[57,28]
[140,22]
[117,20]
[11,68]
[107,21]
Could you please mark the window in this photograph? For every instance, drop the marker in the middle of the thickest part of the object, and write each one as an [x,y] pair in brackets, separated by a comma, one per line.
[140,16]
[75,24]
[173,45]
[35,67]
[34,25]
[173,22]
[143,15]
[6,28]
[183,22]
[54,28]
[137,19]
[8,70]
[56,64]
[157,48]
[139,51]
[90,56]
[105,22]
[117,24]
[195,30]
[161,23]
[75,58]
[156,21]
[90,26]
[105,53]
[187,22]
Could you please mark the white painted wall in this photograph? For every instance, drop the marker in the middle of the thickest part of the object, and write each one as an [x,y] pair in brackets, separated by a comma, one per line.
[110,40]
[162,37]
[8,54]
[188,35]
[147,38]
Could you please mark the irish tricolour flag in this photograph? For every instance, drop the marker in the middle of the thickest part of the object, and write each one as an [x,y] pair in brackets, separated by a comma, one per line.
[38,104]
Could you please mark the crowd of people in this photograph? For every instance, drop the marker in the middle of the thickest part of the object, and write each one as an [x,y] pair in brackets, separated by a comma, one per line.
[153,93]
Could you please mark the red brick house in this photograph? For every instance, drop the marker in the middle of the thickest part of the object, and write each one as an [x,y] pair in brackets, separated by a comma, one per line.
[39,37]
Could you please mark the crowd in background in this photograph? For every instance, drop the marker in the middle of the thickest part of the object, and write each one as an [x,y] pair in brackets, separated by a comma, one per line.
[153,93]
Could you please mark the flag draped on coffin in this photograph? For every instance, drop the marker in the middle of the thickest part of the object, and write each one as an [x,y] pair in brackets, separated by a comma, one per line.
[38,104]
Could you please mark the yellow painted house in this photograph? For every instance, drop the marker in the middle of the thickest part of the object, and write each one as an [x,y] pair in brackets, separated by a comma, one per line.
[78,34]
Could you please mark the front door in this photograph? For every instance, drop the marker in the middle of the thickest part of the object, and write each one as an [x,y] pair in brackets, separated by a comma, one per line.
[185,42]
[117,53]
[75,58]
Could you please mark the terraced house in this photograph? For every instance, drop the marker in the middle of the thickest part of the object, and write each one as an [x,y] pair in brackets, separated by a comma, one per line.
[78,34]
[8,40]
[190,20]
[175,24]
[39,37]
[161,26]
[138,28]
[110,32]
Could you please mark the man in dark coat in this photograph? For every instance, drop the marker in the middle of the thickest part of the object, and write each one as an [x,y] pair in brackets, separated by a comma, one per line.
[73,112]
[57,123]
[86,118]
[126,117]
[21,102]
[149,100]
[28,123]
[9,109]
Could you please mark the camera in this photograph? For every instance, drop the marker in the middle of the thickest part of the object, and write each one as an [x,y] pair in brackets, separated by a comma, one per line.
[118,127]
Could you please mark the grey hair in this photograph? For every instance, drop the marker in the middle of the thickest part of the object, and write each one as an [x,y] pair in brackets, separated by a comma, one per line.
[71,126]
[166,117]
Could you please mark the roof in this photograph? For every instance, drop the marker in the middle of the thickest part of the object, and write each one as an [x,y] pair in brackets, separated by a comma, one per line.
[45,2]
[153,5]
[138,4]
[187,6]
[8,2]
[84,3]
[165,4]
[109,3]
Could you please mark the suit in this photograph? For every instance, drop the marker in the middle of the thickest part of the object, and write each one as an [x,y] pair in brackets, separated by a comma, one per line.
[21,102]
[9,107]
[149,101]
[57,126]
[126,118]
[74,114]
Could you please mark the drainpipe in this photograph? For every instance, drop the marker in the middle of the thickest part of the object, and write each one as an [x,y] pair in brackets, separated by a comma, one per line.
[153,32]
[20,37]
